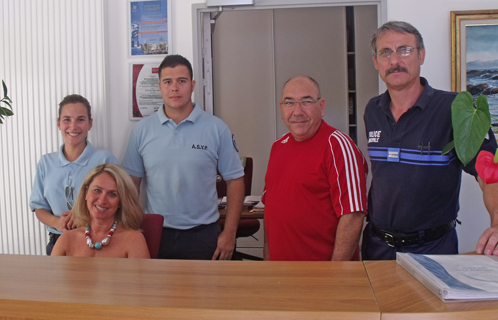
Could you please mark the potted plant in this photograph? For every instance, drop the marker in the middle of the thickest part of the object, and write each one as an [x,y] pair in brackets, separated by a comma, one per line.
[470,126]
[5,112]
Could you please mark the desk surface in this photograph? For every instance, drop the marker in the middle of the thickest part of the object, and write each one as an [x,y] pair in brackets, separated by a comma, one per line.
[246,214]
[95,288]
[401,296]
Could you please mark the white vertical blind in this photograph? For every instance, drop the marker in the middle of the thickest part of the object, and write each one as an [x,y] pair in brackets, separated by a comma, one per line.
[48,49]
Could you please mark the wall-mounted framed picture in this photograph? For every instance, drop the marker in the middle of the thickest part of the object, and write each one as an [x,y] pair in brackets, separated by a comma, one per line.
[474,57]
[474,45]
[145,95]
[148,27]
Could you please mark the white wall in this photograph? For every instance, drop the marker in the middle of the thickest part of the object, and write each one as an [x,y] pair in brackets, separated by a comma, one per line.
[432,18]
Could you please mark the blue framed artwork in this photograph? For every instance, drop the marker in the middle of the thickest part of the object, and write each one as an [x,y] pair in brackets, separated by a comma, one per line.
[149,27]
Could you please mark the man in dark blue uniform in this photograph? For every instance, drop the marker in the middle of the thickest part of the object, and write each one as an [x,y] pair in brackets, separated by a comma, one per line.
[413,199]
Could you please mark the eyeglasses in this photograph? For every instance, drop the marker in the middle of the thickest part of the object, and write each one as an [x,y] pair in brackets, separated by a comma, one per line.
[402,51]
[69,192]
[304,103]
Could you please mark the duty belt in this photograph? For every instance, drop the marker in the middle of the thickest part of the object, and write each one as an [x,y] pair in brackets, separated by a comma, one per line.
[400,239]
[53,237]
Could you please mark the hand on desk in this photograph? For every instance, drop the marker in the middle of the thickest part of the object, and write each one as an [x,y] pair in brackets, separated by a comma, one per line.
[488,241]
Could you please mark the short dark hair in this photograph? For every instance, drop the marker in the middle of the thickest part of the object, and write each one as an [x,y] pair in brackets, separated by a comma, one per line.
[175,60]
[76,98]
[397,26]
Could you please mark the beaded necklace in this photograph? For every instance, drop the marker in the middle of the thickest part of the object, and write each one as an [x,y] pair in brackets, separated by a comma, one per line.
[104,242]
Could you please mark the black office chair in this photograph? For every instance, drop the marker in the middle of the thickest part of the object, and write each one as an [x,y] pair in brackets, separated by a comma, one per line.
[246,227]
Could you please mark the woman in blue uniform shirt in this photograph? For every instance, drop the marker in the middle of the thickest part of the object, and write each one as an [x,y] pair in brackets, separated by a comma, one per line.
[60,174]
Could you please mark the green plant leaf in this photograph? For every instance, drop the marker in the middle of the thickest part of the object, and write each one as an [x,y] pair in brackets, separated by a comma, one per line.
[447,148]
[6,112]
[7,103]
[4,88]
[470,125]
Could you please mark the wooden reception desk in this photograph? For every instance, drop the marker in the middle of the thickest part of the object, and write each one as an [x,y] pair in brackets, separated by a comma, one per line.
[43,287]
[40,287]
[401,296]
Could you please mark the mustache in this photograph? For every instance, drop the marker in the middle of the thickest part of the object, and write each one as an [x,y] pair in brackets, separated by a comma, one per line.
[397,68]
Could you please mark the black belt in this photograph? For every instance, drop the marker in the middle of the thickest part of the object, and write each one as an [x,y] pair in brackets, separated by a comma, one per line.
[399,239]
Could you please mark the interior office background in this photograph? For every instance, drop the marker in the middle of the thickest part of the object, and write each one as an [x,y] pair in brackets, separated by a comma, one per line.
[20,231]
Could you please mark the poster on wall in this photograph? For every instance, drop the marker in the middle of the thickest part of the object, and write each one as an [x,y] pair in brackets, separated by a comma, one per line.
[148,27]
[146,97]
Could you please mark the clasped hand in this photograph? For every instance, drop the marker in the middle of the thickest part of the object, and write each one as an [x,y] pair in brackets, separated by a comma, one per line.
[66,221]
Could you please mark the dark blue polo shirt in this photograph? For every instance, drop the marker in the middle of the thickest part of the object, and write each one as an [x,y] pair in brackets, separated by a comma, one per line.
[414,187]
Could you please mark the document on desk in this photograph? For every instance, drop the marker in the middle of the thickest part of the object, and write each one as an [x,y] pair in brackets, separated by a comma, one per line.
[456,277]
[258,207]
[249,201]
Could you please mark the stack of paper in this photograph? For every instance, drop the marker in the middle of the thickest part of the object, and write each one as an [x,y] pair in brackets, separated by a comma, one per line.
[259,207]
[250,201]
[222,202]
[454,277]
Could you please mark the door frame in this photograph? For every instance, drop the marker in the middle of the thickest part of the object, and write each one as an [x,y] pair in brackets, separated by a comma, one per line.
[204,19]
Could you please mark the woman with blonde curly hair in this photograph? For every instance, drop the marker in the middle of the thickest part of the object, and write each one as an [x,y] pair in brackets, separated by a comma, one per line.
[107,208]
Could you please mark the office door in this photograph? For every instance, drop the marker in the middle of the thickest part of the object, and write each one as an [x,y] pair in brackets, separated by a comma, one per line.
[255,51]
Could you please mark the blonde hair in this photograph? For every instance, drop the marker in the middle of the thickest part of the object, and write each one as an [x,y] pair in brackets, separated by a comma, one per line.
[129,213]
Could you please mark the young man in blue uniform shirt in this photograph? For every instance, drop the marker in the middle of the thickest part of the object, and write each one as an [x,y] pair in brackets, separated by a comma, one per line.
[413,198]
[178,150]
